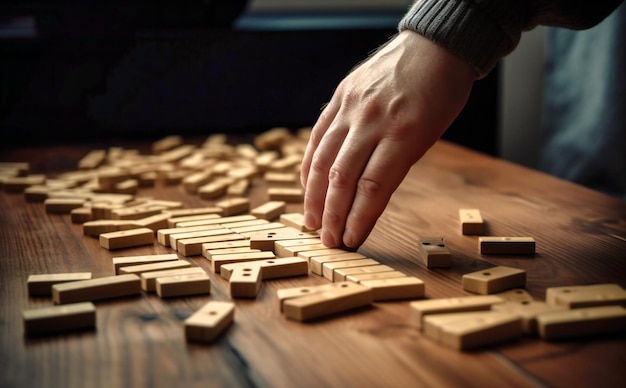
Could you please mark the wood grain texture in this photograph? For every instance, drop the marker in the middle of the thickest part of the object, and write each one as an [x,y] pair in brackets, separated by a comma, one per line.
[140,341]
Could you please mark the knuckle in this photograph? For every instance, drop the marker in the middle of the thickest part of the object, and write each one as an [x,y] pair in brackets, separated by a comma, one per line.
[338,178]
[370,188]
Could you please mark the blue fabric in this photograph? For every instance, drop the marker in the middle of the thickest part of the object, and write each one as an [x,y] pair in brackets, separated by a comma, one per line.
[585,105]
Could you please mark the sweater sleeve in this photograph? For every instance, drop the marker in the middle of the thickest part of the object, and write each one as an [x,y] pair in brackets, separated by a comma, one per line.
[481,32]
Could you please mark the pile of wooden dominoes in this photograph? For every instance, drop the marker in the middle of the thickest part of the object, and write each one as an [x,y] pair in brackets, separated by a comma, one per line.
[247,245]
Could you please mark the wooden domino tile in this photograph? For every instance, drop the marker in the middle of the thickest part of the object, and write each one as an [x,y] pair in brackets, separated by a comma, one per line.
[470,330]
[151,267]
[284,294]
[209,253]
[360,277]
[222,221]
[80,215]
[214,189]
[155,222]
[581,322]
[53,319]
[328,268]
[325,251]
[495,279]
[96,289]
[202,219]
[265,240]
[280,178]
[527,311]
[272,268]
[193,246]
[148,279]
[196,211]
[218,260]
[62,205]
[234,206]
[245,281]
[124,261]
[41,284]
[586,295]
[238,188]
[175,237]
[434,252]
[206,324]
[295,220]
[344,296]
[257,228]
[316,262]
[515,295]
[492,245]
[421,308]
[163,235]
[183,285]
[220,245]
[343,273]
[270,210]
[395,288]
[285,248]
[127,238]
[471,222]
[286,194]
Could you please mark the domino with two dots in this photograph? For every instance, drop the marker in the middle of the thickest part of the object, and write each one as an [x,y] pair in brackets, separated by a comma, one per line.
[434,252]
[471,222]
[344,296]
[271,268]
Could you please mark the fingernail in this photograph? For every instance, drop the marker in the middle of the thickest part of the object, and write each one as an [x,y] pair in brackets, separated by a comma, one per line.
[327,238]
[310,221]
[348,239]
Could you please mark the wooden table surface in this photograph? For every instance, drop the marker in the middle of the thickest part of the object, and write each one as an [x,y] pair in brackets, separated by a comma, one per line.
[139,341]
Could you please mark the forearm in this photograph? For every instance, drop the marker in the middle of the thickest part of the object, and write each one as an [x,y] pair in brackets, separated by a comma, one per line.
[481,32]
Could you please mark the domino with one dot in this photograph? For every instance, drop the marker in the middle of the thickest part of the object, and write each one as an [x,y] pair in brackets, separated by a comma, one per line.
[586,296]
[206,324]
[495,279]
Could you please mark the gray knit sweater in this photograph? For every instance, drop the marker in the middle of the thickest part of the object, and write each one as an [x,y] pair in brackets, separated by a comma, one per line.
[483,31]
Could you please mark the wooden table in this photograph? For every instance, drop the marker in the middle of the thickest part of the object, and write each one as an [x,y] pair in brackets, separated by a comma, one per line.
[581,239]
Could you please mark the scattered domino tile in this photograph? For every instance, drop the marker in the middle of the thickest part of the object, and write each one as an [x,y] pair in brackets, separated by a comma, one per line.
[470,330]
[167,143]
[343,273]
[193,246]
[218,260]
[407,287]
[527,311]
[295,220]
[138,269]
[471,222]
[80,215]
[490,245]
[233,206]
[123,261]
[227,251]
[175,237]
[586,296]
[192,182]
[214,189]
[245,281]
[272,268]
[155,222]
[196,211]
[93,159]
[257,228]
[206,247]
[434,252]
[515,295]
[345,296]
[238,188]
[41,284]
[265,241]
[284,294]
[136,212]
[319,252]
[285,194]
[328,268]
[173,222]
[316,262]
[223,221]
[62,205]
[280,247]
[495,279]
[240,224]
[183,285]
[127,238]
[96,289]
[53,319]
[97,227]
[421,308]
[582,322]
[269,210]
[360,277]
[273,178]
[163,235]
[148,279]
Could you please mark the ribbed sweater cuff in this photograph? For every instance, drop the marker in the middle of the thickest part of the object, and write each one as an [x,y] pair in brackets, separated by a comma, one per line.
[479,32]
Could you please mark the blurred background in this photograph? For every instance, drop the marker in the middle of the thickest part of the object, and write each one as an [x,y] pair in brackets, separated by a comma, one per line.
[75,71]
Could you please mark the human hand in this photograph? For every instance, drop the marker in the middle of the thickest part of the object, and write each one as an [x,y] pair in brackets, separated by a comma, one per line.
[380,121]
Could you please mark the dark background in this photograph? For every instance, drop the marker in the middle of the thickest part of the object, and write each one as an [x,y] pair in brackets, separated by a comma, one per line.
[78,71]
